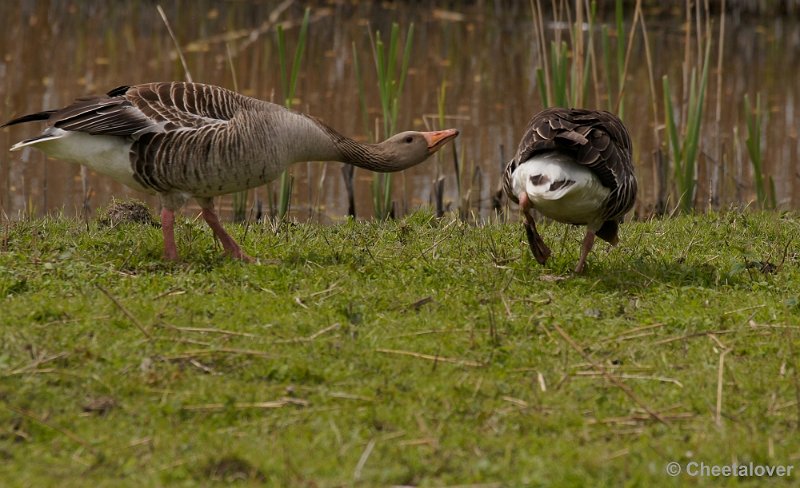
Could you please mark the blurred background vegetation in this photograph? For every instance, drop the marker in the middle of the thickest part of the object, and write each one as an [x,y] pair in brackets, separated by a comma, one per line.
[707,88]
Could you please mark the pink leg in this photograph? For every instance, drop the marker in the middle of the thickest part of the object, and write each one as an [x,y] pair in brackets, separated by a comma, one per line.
[230,246]
[588,242]
[168,230]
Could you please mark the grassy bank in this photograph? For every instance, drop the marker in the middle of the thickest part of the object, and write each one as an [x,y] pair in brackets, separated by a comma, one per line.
[401,352]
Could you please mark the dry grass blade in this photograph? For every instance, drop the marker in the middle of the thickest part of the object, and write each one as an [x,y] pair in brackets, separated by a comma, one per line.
[211,330]
[322,294]
[638,418]
[175,40]
[745,309]
[170,293]
[222,350]
[363,459]
[541,381]
[691,336]
[438,359]
[632,333]
[348,396]
[36,363]
[795,378]
[216,407]
[636,333]
[125,311]
[613,379]
[753,325]
[65,432]
[626,376]
[724,350]
[428,332]
[250,36]
[419,303]
[180,340]
[202,367]
[516,401]
[309,338]
[637,15]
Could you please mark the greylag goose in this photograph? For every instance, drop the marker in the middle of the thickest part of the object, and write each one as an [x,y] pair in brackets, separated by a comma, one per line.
[574,166]
[184,140]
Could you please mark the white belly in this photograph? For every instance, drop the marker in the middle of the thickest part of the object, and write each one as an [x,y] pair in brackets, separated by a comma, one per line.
[109,155]
[580,206]
[561,189]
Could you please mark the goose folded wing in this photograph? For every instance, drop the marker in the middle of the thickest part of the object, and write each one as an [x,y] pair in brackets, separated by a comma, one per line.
[600,156]
[104,115]
[593,139]
[153,107]
[185,105]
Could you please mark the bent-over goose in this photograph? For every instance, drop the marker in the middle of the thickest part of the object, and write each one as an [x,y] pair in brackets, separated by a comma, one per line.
[184,140]
[574,166]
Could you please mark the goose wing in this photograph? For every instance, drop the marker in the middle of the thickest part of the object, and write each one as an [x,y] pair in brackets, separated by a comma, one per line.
[153,107]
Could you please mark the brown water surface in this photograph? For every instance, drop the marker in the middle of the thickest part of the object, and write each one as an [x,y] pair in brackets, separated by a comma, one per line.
[484,53]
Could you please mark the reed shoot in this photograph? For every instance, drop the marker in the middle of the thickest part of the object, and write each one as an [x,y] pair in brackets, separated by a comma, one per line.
[684,144]
[563,79]
[754,118]
[390,87]
[288,87]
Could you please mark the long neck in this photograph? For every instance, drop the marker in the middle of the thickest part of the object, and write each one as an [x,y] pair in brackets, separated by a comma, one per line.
[330,145]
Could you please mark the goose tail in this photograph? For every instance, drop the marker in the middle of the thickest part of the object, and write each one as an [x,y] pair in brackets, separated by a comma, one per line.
[29,118]
[35,140]
[32,118]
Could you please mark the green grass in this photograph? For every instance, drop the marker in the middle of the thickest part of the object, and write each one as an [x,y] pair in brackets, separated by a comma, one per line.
[87,398]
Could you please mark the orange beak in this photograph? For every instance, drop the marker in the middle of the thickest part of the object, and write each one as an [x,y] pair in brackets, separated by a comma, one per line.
[438,138]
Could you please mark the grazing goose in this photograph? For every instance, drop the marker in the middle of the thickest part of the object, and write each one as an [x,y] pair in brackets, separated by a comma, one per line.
[184,140]
[573,166]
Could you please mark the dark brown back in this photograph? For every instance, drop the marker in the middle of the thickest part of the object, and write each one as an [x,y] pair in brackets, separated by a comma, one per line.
[595,139]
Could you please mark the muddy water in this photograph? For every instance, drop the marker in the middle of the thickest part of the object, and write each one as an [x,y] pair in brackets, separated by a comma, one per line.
[483,53]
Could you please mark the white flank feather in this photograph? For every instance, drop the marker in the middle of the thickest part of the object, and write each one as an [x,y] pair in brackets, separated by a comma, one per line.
[108,155]
[579,202]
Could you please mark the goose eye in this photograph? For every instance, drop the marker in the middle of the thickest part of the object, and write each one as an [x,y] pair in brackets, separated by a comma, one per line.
[409,139]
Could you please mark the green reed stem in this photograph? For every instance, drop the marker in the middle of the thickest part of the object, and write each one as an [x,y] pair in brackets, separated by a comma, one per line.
[685,144]
[362,97]
[560,60]
[619,13]
[438,182]
[239,199]
[565,75]
[288,87]
[754,118]
[390,86]
[605,45]
[542,83]
[589,56]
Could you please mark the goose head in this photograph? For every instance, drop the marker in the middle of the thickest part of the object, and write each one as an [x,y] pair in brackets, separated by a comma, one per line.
[409,148]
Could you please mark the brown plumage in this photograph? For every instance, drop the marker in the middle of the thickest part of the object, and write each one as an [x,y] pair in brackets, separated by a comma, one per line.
[183,140]
[574,166]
